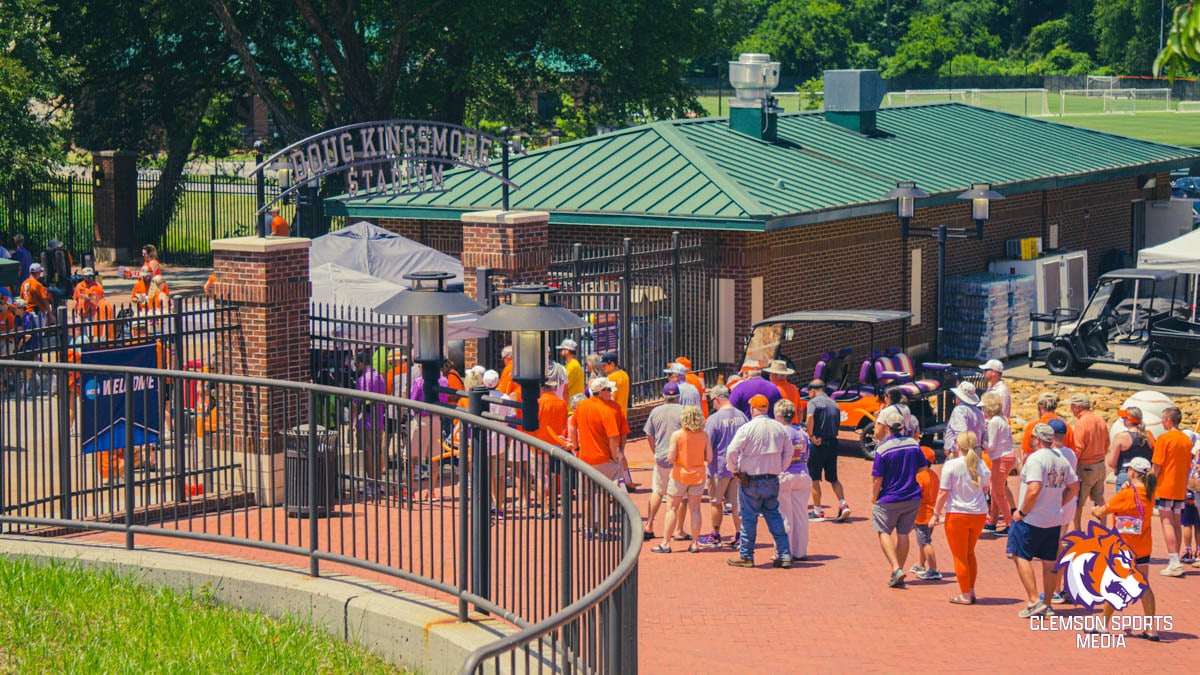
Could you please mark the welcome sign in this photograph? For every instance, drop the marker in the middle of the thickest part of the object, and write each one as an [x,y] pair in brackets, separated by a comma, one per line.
[102,399]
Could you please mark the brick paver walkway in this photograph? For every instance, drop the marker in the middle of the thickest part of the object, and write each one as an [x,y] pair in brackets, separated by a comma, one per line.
[835,612]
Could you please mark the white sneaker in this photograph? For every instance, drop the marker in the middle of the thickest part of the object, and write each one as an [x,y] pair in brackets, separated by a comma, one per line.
[1172,571]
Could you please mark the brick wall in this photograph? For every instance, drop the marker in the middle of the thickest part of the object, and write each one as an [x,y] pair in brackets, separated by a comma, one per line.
[114,206]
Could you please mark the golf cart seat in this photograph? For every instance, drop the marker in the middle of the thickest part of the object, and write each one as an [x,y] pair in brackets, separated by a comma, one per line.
[831,368]
[895,368]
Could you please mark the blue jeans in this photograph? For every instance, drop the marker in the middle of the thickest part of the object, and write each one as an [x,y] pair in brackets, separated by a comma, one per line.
[762,497]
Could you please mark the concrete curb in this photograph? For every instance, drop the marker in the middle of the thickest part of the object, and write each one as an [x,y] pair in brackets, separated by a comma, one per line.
[402,628]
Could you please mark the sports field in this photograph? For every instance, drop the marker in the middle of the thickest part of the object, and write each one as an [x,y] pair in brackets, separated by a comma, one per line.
[1151,123]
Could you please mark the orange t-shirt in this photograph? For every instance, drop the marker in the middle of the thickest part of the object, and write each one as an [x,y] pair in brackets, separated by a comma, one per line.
[84,289]
[1027,439]
[1122,504]
[1091,438]
[622,420]
[690,466]
[552,419]
[279,227]
[791,393]
[7,321]
[930,484]
[34,294]
[389,380]
[506,384]
[597,423]
[694,380]
[1173,456]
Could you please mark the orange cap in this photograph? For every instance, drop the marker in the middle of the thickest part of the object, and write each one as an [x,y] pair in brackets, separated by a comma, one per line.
[929,456]
[685,361]
[759,402]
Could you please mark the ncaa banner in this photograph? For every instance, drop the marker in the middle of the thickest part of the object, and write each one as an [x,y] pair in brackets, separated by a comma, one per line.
[102,420]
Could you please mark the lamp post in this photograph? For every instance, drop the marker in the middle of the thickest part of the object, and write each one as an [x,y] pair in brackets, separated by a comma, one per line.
[906,193]
[429,302]
[531,312]
[260,189]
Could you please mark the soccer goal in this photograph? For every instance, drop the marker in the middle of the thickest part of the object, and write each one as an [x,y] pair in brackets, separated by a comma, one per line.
[1028,102]
[922,96]
[1102,82]
[1099,101]
[1187,106]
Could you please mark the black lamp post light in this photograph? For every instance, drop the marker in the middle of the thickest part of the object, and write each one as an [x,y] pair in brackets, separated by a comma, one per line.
[906,193]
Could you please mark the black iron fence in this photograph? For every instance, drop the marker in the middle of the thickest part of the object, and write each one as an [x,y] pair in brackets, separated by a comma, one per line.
[54,209]
[479,513]
[339,332]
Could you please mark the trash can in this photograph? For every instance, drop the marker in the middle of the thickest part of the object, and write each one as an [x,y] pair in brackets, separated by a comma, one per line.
[296,500]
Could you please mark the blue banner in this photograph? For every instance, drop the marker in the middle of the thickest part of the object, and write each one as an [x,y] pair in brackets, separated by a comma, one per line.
[102,422]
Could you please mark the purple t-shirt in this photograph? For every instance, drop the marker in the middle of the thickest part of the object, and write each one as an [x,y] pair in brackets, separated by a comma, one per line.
[897,461]
[721,426]
[800,447]
[751,387]
[417,391]
[372,417]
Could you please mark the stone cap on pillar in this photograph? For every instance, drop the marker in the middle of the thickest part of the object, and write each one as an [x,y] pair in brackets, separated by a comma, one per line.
[501,217]
[114,153]
[260,244]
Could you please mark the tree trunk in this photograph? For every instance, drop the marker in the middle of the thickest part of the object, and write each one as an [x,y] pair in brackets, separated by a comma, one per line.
[156,215]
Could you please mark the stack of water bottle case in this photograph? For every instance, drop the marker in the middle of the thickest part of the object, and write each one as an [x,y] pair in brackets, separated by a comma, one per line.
[987,316]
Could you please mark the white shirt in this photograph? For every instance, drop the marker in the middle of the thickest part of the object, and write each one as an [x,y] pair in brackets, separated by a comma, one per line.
[999,441]
[1001,389]
[964,496]
[1054,472]
[1068,509]
[760,447]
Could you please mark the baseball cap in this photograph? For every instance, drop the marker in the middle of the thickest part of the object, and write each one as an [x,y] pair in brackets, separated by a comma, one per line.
[1080,399]
[600,384]
[1138,464]
[759,402]
[17,302]
[1059,426]
[929,455]
[569,344]
[1043,432]
[718,391]
[891,417]
[608,357]
[490,379]
[671,389]
[88,272]
[35,268]
[993,364]
[676,369]
[684,361]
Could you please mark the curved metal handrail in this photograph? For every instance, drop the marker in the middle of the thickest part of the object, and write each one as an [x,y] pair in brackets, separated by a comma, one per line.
[625,568]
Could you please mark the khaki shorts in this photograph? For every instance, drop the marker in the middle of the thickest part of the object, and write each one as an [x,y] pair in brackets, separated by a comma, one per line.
[611,470]
[723,490]
[1091,483]
[658,482]
[677,489]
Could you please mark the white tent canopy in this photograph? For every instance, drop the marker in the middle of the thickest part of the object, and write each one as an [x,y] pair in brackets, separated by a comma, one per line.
[372,250]
[1181,254]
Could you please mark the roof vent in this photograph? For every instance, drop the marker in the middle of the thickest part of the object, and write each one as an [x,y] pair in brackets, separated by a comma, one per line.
[752,111]
[852,97]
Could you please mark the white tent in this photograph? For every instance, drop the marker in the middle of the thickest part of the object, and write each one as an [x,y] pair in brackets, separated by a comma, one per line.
[372,250]
[1181,254]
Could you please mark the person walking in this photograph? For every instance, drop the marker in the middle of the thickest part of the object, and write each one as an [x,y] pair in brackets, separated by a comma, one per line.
[689,453]
[722,425]
[595,432]
[1091,447]
[661,425]
[1131,510]
[1131,442]
[962,505]
[34,293]
[779,372]
[759,452]
[688,394]
[695,380]
[993,373]
[1047,404]
[896,495]
[568,351]
[823,420]
[999,445]
[1171,462]
[926,568]
[966,416]
[795,485]
[23,257]
[369,421]
[752,385]
[614,373]
[1047,483]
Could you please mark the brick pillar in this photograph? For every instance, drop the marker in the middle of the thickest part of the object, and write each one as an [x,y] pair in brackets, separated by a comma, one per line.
[114,206]
[267,279]
[513,244]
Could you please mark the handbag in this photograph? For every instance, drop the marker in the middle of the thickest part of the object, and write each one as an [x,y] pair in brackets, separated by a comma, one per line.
[1130,524]
[1193,481]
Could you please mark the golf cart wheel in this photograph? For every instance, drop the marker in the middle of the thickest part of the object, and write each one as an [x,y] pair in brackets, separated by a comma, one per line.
[866,439]
[1061,361]
[1158,371]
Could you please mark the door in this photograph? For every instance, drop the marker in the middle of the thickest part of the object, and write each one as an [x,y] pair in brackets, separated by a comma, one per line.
[1075,280]
[1050,294]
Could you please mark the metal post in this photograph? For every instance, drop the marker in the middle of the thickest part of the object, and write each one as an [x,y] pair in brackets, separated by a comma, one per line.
[128,449]
[676,298]
[314,565]
[483,294]
[625,349]
[466,447]
[71,203]
[177,440]
[941,289]
[212,206]
[260,189]
[65,401]
[481,500]
[567,559]
[504,167]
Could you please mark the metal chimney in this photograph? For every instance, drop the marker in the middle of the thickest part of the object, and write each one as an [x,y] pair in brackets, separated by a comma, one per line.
[752,111]
[852,97]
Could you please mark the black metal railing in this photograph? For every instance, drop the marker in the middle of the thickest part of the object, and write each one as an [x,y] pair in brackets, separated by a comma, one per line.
[489,517]
[59,208]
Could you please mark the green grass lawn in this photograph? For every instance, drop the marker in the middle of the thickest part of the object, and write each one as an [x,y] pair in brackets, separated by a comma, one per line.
[59,618]
[1087,112]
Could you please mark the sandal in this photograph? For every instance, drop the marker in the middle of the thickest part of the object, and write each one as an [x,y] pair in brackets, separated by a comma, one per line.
[661,549]
[682,537]
[961,599]
[648,535]
[693,549]
[1147,636]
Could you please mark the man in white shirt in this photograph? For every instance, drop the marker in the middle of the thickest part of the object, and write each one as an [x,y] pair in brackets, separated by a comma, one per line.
[1047,484]
[760,451]
[993,372]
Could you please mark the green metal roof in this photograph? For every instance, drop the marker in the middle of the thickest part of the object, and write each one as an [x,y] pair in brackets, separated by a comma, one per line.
[702,174]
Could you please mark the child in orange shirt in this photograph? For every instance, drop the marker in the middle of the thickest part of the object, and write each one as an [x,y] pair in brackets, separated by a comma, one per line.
[926,567]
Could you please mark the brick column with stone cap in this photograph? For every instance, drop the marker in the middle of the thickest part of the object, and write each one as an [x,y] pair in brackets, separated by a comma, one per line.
[114,206]
[513,244]
[267,279]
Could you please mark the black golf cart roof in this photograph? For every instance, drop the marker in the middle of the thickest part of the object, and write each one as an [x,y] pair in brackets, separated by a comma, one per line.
[1136,274]
[868,316]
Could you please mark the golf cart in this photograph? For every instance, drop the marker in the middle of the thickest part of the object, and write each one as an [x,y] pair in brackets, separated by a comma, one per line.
[1134,318]
[857,387]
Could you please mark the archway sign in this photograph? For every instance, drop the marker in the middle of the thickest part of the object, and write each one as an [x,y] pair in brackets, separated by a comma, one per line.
[392,158]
